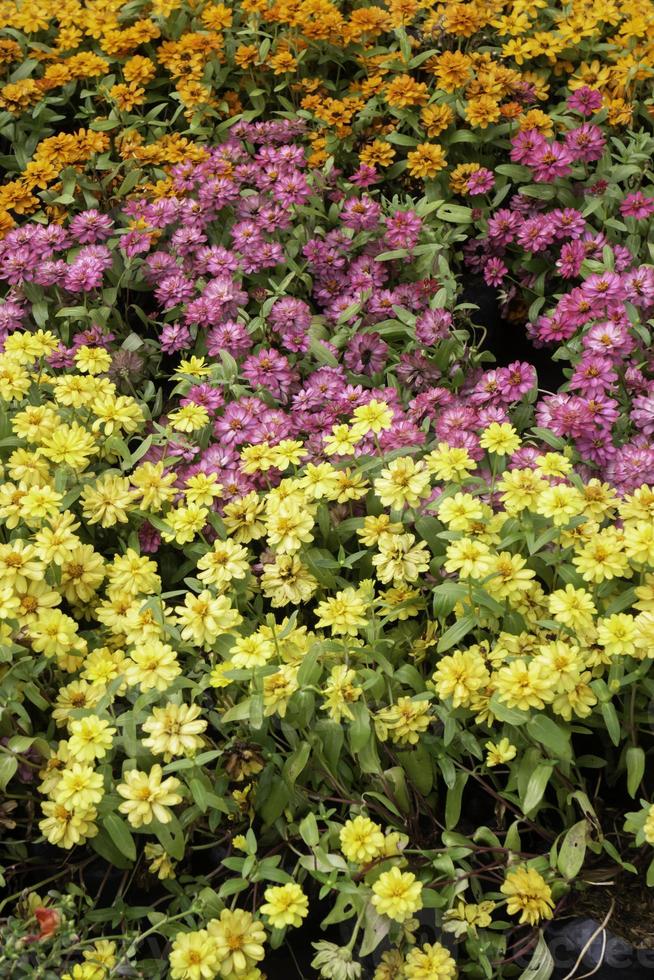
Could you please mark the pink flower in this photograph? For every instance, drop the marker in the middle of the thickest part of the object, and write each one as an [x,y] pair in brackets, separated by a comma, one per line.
[585,101]
[637,205]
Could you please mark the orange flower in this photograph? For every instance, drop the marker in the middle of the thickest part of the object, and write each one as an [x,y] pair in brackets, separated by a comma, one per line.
[426,160]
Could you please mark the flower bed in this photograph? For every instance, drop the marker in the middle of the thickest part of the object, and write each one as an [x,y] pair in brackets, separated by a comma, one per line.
[318,630]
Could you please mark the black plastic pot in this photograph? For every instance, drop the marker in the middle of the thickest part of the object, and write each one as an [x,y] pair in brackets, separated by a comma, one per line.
[582,948]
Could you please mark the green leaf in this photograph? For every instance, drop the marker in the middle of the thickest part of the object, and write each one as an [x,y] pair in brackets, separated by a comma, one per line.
[296,762]
[120,835]
[612,722]
[456,633]
[199,794]
[541,964]
[551,735]
[453,801]
[635,769]
[536,788]
[8,767]
[573,850]
[309,830]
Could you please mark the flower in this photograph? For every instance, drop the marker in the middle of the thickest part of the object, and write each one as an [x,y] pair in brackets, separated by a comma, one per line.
[344,612]
[361,840]
[174,730]
[146,797]
[91,738]
[285,905]
[238,938]
[500,752]
[426,161]
[429,962]
[397,894]
[528,894]
[500,438]
[193,956]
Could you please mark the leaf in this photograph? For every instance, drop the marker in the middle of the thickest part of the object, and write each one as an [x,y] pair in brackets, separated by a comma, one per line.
[573,850]
[541,964]
[296,762]
[551,735]
[199,794]
[309,830]
[103,845]
[635,769]
[612,722]
[120,835]
[453,801]
[376,928]
[8,767]
[456,633]
[536,788]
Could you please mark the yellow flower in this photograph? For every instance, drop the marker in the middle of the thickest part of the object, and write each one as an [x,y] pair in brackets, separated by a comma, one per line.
[54,634]
[523,686]
[160,862]
[400,559]
[344,612]
[286,580]
[319,480]
[341,691]
[617,634]
[602,558]
[226,561]
[429,962]
[71,445]
[174,729]
[185,523]
[404,721]
[449,462]
[528,894]
[242,518]
[469,557]
[572,607]
[107,500]
[560,503]
[397,894]
[205,617]
[285,905]
[92,360]
[460,512]
[520,489]
[278,689]
[202,489]
[500,438]
[361,840]
[188,418]
[500,752]
[67,826]
[648,827]
[79,787]
[102,955]
[91,738]
[239,939]
[510,577]
[289,527]
[153,485]
[153,664]
[146,797]
[251,651]
[459,676]
[403,483]
[193,956]
[342,441]
[375,416]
